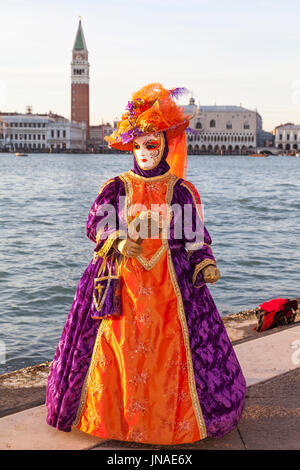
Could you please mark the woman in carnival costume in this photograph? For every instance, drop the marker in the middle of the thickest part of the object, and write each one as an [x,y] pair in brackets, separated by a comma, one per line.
[144,355]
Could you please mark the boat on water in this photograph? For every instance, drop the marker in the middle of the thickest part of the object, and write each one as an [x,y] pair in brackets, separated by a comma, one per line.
[259,155]
[21,154]
[292,154]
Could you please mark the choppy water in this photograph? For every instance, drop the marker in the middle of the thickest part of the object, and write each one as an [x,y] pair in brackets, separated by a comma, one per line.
[251,208]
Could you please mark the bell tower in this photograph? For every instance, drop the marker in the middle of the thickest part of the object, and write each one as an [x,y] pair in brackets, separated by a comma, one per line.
[80,106]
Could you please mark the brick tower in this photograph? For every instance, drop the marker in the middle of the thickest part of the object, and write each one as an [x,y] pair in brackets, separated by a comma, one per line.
[80,106]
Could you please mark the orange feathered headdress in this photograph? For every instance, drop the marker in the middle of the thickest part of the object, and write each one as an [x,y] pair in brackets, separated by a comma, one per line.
[152,109]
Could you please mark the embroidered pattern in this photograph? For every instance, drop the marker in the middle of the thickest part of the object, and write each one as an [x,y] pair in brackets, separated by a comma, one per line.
[144,318]
[175,395]
[138,407]
[183,425]
[172,363]
[170,395]
[154,187]
[142,290]
[183,395]
[137,435]
[138,379]
[143,315]
[141,348]
[166,423]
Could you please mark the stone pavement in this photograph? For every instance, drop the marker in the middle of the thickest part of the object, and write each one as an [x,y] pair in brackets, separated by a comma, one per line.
[270,420]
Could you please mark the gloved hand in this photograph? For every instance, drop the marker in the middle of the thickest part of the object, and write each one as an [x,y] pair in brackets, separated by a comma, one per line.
[128,247]
[211,274]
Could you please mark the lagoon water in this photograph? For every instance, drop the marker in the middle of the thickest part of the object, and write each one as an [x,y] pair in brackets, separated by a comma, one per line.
[251,210]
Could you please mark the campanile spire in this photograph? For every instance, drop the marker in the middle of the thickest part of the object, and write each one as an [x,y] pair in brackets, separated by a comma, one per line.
[80,80]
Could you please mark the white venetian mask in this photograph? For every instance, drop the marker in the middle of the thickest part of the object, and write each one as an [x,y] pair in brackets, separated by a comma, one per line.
[148,150]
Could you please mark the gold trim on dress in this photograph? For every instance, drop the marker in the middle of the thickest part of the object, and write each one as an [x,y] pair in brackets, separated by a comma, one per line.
[185,332]
[199,266]
[194,198]
[157,255]
[200,285]
[109,242]
[146,179]
[127,187]
[195,247]
[182,318]
[105,184]
[82,400]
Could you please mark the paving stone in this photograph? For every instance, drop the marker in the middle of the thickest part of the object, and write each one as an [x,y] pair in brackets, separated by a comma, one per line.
[269,356]
[271,417]
[28,430]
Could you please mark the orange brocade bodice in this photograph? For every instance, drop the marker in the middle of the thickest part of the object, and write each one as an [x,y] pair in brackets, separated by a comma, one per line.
[139,386]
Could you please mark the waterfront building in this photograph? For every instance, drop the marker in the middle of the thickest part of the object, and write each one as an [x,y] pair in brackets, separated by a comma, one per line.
[40,132]
[23,131]
[230,129]
[80,108]
[97,134]
[287,136]
[63,134]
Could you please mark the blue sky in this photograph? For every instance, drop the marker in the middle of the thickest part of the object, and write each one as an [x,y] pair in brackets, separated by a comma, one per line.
[225,52]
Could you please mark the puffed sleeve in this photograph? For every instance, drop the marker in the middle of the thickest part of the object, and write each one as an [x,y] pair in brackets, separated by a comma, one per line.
[103,224]
[196,237]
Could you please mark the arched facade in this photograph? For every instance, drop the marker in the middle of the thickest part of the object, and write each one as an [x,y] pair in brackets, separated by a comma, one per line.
[216,143]
[224,128]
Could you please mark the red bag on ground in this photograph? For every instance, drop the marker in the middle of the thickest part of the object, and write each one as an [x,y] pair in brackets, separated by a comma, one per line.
[276,312]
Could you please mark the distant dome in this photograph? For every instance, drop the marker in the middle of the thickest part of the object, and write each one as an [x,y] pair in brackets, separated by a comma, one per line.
[192,101]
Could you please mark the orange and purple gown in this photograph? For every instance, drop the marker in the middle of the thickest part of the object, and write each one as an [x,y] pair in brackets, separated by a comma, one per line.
[164,371]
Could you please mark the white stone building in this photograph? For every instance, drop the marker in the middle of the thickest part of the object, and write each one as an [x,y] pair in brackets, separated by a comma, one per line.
[223,128]
[23,131]
[287,137]
[39,132]
[66,135]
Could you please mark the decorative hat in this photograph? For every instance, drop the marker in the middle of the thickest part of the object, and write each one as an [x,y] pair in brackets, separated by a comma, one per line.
[152,109]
